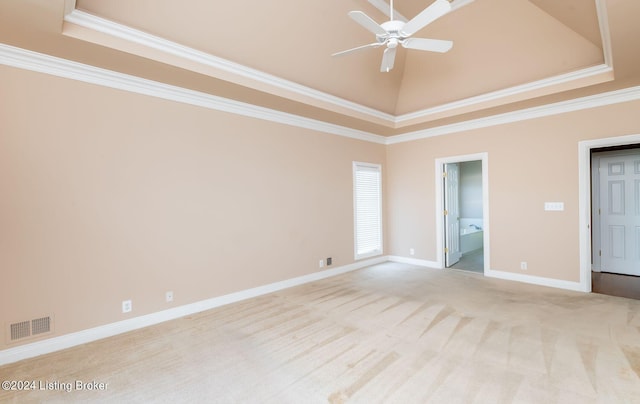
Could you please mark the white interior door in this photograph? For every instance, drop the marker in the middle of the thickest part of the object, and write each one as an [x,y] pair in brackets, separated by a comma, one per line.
[620,214]
[452,252]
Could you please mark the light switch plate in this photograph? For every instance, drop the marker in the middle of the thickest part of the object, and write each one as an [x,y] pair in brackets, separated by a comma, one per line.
[554,206]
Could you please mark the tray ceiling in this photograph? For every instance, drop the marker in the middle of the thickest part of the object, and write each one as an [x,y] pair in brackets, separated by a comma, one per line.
[278,54]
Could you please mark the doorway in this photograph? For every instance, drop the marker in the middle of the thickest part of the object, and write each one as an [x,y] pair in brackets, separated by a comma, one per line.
[615,216]
[590,243]
[462,212]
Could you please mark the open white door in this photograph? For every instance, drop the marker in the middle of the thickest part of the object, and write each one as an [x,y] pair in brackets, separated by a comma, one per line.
[620,214]
[451,212]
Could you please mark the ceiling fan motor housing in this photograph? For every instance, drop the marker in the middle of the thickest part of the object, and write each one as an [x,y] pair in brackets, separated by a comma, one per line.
[394,29]
[394,33]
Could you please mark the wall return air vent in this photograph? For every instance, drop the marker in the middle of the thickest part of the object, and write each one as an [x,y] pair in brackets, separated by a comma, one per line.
[29,328]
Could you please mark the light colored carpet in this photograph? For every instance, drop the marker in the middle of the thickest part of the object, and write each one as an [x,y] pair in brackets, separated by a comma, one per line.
[387,334]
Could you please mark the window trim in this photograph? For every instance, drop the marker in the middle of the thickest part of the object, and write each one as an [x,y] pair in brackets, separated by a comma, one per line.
[378,251]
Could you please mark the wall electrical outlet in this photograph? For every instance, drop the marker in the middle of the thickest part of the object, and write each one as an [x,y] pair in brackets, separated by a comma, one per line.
[169,296]
[126,306]
[523,265]
[412,251]
[321,264]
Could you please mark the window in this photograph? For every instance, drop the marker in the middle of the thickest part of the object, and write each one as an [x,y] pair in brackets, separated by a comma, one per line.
[367,202]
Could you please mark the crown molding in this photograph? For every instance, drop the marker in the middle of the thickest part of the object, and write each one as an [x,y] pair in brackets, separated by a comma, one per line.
[33,61]
[506,93]
[69,6]
[577,104]
[605,33]
[104,26]
[277,85]
[29,60]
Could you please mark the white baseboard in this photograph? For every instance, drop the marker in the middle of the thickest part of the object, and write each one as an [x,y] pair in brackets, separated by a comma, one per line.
[38,348]
[509,276]
[414,261]
[535,280]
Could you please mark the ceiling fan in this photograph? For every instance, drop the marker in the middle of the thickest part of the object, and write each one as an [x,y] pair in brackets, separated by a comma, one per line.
[394,32]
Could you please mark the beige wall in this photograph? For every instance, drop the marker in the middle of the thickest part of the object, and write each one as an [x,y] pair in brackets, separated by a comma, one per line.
[530,162]
[107,195]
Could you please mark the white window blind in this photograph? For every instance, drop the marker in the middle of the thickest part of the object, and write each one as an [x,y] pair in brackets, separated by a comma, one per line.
[367,195]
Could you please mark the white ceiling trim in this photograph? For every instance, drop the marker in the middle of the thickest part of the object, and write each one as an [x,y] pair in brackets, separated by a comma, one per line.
[509,92]
[38,62]
[577,104]
[114,29]
[605,33]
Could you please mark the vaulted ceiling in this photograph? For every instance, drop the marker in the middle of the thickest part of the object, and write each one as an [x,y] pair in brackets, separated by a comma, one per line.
[507,54]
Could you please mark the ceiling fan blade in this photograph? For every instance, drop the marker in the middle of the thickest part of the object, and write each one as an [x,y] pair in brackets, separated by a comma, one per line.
[388,58]
[427,16]
[432,45]
[367,22]
[371,45]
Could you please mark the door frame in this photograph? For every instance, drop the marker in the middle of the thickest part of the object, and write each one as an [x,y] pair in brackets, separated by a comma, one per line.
[584,190]
[440,233]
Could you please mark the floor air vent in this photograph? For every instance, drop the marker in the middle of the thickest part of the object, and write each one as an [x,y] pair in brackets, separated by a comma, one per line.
[20,330]
[40,325]
[29,328]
